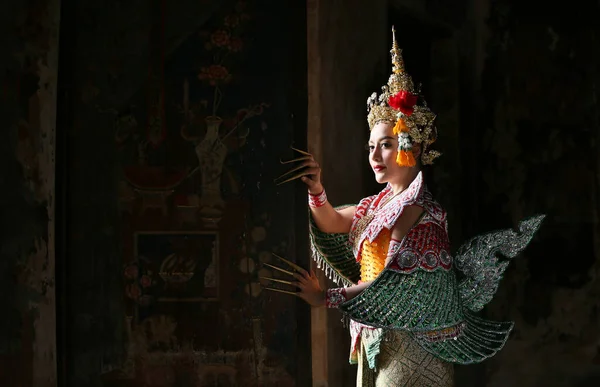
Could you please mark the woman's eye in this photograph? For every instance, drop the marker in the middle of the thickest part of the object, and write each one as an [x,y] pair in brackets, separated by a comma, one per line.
[369,148]
[386,145]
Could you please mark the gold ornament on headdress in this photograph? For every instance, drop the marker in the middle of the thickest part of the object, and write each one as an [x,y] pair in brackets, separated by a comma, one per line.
[398,105]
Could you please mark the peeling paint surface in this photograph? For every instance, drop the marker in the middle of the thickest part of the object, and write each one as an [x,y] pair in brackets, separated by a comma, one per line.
[29,76]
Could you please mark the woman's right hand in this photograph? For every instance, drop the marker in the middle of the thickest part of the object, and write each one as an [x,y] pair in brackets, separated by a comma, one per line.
[312,176]
[310,289]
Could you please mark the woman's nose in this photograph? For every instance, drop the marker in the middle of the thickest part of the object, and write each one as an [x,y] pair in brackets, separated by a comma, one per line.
[376,154]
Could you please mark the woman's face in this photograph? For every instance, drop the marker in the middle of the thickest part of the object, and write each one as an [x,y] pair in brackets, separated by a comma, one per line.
[383,150]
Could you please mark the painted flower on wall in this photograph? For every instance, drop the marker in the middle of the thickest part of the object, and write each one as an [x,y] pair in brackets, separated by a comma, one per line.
[222,43]
[219,38]
[222,117]
[133,291]
[138,283]
[146,281]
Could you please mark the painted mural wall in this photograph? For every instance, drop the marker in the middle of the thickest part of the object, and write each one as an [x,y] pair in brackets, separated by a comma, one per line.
[181,113]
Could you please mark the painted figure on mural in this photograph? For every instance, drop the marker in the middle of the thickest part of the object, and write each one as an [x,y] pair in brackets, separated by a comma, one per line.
[411,305]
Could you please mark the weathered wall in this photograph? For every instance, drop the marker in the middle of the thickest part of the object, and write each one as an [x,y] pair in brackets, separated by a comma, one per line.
[28,64]
[537,133]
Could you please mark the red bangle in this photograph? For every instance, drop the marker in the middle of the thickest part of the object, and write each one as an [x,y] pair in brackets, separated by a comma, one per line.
[318,200]
[334,297]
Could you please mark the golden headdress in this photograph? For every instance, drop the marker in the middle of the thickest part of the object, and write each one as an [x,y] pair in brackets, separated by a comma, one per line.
[398,104]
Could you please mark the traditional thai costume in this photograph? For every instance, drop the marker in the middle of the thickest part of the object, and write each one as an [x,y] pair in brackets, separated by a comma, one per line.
[417,317]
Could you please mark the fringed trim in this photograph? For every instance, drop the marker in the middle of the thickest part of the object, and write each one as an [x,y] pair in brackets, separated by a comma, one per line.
[330,272]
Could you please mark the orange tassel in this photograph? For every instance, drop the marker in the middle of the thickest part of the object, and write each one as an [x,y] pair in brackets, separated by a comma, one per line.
[405,159]
[400,127]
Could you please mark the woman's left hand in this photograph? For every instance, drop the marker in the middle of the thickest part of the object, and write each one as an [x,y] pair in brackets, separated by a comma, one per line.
[310,289]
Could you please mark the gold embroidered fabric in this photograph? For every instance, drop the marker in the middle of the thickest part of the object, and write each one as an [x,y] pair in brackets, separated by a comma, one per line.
[402,362]
[374,255]
[361,225]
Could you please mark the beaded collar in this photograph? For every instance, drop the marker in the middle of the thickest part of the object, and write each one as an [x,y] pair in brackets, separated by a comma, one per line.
[377,212]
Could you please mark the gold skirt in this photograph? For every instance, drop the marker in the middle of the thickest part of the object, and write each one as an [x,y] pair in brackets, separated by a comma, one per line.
[402,362]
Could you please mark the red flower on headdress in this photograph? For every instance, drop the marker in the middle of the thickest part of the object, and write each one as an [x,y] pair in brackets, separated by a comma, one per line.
[403,101]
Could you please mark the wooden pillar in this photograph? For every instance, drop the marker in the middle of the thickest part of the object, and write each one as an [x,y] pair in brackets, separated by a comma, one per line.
[347,54]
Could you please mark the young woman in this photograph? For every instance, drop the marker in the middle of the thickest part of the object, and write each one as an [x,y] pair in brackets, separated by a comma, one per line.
[411,319]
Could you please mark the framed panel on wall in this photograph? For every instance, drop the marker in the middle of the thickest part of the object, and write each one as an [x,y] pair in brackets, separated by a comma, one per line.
[174,266]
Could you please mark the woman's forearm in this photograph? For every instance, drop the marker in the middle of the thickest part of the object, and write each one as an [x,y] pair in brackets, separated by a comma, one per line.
[327,218]
[355,290]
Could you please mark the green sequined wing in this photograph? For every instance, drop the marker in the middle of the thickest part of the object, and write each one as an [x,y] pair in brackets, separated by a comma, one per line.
[477,260]
[427,304]
[333,253]
[421,301]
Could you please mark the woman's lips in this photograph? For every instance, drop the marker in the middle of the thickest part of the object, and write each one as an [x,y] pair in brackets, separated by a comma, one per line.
[378,168]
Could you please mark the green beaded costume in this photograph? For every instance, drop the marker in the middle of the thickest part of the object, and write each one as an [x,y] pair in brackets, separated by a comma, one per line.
[424,293]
